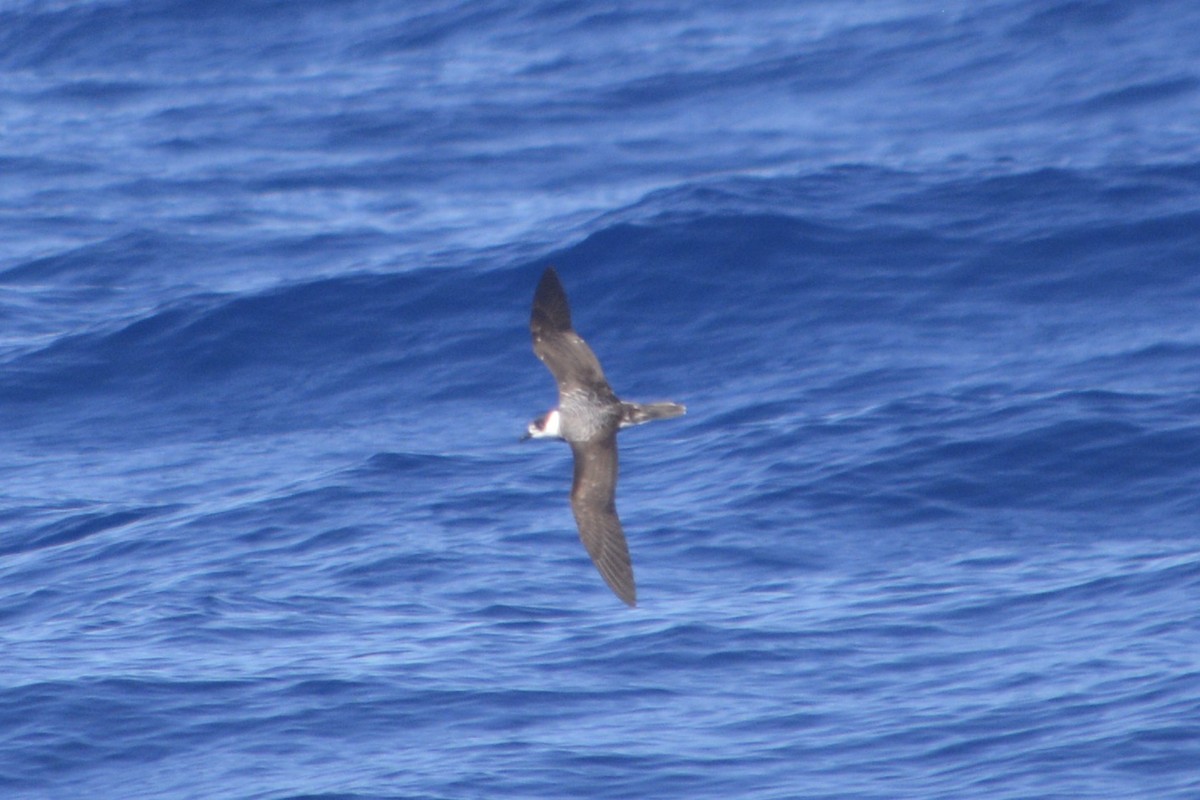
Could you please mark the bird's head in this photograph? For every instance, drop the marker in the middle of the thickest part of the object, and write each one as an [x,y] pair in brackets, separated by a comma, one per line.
[545,426]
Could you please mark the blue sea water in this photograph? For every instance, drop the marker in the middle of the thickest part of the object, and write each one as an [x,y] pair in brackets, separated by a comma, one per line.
[927,276]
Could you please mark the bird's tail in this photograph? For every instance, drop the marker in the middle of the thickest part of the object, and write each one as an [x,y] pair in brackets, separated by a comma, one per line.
[637,413]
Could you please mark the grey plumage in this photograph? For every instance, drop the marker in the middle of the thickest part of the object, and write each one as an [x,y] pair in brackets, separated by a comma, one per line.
[589,416]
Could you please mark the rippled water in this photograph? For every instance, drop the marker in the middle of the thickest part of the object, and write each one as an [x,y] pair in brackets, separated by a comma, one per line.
[924,274]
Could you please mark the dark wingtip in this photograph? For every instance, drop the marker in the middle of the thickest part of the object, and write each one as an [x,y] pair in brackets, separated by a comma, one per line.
[621,583]
[626,594]
[550,307]
[549,281]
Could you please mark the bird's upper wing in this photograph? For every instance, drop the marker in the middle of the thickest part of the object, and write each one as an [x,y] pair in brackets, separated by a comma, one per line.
[592,499]
[555,342]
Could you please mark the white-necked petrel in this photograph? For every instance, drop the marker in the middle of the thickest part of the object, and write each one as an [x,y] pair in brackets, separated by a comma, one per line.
[588,417]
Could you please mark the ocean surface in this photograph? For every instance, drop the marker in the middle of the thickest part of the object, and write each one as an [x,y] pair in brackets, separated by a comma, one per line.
[927,276]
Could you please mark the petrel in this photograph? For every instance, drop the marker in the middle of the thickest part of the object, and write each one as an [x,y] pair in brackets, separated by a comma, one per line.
[588,417]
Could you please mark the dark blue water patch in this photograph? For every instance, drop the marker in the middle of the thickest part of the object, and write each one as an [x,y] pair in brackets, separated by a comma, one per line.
[112,723]
[289,514]
[849,56]
[1118,261]
[1179,88]
[588,20]
[366,175]
[100,93]
[98,35]
[929,457]
[74,528]
[1000,201]
[93,723]
[109,261]
[1145,585]
[418,465]
[413,569]
[29,605]
[1019,206]
[776,557]
[852,273]
[755,412]
[431,27]
[301,340]
[743,244]
[1066,18]
[44,167]
[733,276]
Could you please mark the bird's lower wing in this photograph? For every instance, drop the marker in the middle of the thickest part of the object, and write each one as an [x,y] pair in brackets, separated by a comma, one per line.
[592,500]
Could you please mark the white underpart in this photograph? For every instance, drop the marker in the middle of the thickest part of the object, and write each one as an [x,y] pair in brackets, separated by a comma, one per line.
[553,424]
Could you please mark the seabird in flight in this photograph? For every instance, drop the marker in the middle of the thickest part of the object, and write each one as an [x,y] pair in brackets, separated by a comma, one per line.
[588,417]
